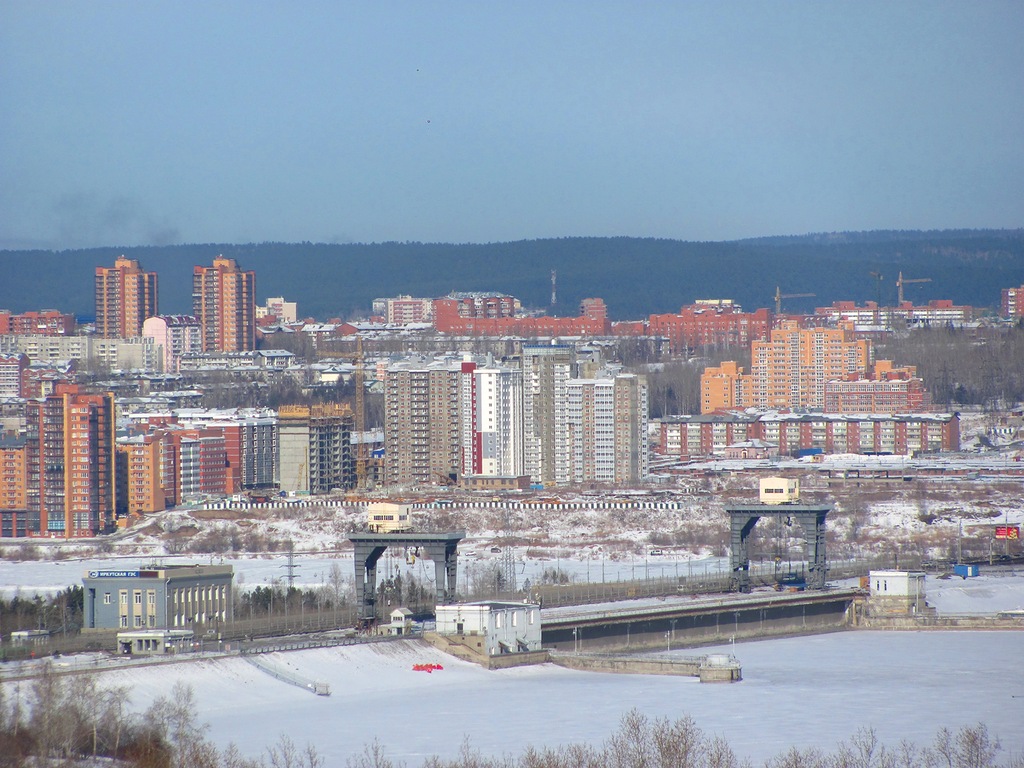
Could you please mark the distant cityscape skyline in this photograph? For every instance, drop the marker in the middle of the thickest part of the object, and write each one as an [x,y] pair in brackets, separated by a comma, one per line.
[132,125]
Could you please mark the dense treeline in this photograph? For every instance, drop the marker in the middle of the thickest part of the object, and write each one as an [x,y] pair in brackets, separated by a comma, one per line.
[60,613]
[71,720]
[983,368]
[635,276]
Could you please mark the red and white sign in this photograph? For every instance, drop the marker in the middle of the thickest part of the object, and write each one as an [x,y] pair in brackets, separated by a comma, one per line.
[1011,532]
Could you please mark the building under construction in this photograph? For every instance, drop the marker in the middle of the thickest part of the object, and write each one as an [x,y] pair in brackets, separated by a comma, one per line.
[315,444]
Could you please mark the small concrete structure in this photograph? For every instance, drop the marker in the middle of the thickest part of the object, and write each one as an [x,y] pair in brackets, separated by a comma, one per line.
[401,622]
[779,490]
[720,668]
[388,517]
[897,593]
[496,627]
[155,642]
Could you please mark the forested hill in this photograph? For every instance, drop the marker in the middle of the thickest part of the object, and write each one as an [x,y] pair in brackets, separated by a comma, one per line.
[635,276]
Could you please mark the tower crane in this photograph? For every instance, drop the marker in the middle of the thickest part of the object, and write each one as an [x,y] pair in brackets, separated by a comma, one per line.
[362,449]
[359,421]
[900,282]
[779,296]
[879,277]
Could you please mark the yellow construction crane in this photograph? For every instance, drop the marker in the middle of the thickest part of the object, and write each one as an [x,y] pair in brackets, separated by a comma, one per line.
[779,296]
[900,282]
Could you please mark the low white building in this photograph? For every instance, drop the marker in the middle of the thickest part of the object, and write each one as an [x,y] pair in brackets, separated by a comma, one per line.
[30,637]
[897,593]
[155,642]
[505,627]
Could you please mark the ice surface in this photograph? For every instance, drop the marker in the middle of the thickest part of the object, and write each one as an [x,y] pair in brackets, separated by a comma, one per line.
[807,691]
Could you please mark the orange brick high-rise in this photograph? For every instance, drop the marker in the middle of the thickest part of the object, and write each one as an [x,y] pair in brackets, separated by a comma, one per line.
[789,370]
[224,300]
[125,296]
[70,463]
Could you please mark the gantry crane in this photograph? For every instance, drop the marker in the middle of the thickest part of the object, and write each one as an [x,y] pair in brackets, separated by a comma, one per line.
[900,282]
[779,296]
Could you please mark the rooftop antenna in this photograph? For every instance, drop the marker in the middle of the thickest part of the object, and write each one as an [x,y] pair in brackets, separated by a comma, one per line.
[554,297]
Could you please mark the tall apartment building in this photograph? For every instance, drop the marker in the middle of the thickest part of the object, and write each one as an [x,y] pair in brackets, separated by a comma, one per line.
[12,374]
[176,335]
[1012,304]
[788,371]
[224,302]
[791,369]
[422,422]
[71,465]
[315,448]
[125,296]
[451,312]
[546,371]
[492,420]
[402,310]
[140,488]
[46,322]
[13,487]
[606,429]
[137,352]
[202,465]
[277,307]
[724,387]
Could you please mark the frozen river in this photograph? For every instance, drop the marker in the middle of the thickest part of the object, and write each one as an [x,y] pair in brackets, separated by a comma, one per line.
[808,691]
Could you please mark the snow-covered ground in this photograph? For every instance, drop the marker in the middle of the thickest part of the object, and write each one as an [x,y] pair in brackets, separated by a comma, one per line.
[995,589]
[808,691]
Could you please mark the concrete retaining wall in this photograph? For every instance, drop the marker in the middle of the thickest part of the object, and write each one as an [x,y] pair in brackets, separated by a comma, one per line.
[709,669]
[628,665]
[939,622]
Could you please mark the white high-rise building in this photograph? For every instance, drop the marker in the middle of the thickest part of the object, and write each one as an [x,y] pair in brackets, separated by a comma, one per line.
[546,371]
[491,400]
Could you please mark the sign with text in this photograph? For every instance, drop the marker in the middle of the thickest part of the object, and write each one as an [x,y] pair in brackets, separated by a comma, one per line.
[1011,532]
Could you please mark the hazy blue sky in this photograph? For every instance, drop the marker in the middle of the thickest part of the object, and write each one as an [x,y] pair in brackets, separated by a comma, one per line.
[156,122]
